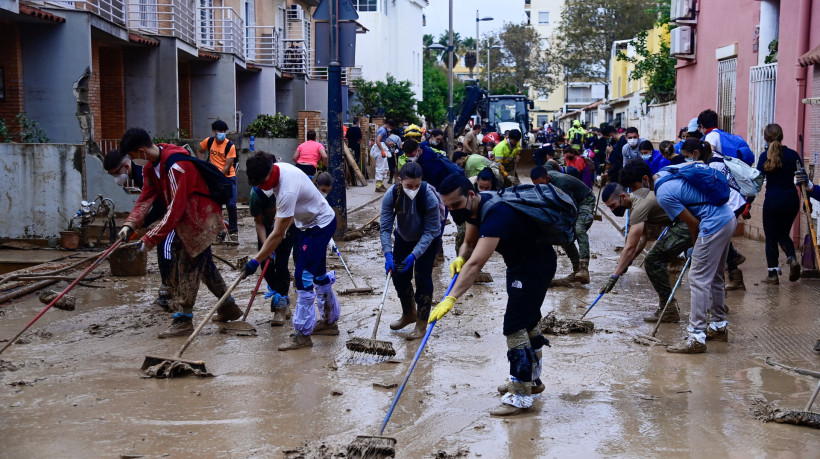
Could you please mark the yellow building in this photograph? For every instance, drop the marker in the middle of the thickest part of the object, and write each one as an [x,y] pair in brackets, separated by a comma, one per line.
[620,85]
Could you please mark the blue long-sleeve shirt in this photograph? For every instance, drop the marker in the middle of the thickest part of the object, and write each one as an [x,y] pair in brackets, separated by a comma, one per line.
[420,220]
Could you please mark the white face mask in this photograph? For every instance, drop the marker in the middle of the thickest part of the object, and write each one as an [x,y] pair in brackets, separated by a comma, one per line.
[411,193]
[646,157]
[689,160]
[632,142]
[412,159]
[324,195]
[268,193]
[121,179]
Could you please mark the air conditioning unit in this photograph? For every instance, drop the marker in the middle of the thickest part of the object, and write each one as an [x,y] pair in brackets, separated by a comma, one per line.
[683,11]
[682,42]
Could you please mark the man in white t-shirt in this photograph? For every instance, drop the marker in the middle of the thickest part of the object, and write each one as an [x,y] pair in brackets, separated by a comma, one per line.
[299,202]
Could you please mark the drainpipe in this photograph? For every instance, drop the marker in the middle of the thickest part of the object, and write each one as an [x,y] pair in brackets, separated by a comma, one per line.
[803,30]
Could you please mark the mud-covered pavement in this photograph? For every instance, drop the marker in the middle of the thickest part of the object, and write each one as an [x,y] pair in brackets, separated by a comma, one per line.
[72,388]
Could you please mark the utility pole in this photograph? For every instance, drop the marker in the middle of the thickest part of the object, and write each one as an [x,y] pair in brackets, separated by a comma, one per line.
[337,198]
[450,133]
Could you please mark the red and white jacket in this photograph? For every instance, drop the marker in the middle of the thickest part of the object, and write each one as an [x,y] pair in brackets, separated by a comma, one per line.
[196,218]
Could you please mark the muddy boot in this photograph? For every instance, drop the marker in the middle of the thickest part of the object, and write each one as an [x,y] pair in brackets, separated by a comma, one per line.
[408,313]
[672,314]
[281,310]
[326,329]
[691,345]
[164,298]
[227,312]
[794,269]
[380,186]
[418,332]
[719,334]
[537,387]
[772,278]
[328,304]
[735,281]
[568,280]
[582,275]
[182,325]
[508,410]
[298,341]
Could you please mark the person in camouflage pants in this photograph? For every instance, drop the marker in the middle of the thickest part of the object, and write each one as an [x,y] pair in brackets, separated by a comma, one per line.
[676,241]
[586,211]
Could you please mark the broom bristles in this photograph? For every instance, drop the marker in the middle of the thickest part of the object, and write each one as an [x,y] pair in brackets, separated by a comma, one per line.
[371,346]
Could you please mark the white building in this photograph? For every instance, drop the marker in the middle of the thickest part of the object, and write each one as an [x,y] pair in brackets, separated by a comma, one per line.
[393,44]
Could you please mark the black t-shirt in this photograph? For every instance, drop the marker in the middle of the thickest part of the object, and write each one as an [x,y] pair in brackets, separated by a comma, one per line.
[354,136]
[781,179]
[517,233]
[136,175]
[616,160]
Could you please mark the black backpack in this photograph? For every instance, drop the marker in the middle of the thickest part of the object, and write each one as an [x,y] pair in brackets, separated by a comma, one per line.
[228,147]
[545,205]
[220,187]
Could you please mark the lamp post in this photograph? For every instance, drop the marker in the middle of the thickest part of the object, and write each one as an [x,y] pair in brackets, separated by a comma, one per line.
[488,66]
[477,20]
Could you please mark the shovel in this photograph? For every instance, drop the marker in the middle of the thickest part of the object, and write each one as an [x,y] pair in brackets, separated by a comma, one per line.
[355,289]
[195,365]
[651,340]
[241,327]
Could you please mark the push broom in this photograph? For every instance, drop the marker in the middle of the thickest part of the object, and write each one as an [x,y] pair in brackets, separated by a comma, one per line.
[372,345]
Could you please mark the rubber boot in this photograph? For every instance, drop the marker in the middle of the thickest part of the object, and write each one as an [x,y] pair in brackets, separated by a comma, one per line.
[424,304]
[164,298]
[227,312]
[672,314]
[418,332]
[380,186]
[772,278]
[408,313]
[182,325]
[281,310]
[794,269]
[582,275]
[298,341]
[735,281]
[329,306]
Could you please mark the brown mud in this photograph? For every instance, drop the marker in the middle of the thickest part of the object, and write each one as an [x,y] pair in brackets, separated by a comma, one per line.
[74,388]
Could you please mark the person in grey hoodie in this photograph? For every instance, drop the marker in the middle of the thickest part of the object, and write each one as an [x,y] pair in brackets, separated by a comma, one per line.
[632,149]
[414,207]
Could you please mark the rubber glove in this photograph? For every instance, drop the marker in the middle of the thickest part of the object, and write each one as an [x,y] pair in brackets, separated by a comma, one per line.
[442,308]
[333,247]
[250,267]
[384,155]
[407,263]
[456,265]
[801,177]
[689,252]
[138,247]
[610,284]
[389,265]
[125,233]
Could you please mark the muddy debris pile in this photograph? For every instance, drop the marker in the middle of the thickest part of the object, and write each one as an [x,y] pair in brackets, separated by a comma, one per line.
[771,412]
[66,303]
[552,325]
[317,451]
[461,452]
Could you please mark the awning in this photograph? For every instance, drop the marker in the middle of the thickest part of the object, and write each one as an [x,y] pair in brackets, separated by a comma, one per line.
[810,58]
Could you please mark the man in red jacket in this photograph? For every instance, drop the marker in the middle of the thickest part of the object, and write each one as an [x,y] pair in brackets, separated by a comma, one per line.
[194,217]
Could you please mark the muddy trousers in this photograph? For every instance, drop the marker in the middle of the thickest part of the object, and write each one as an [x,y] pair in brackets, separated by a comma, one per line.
[187,273]
[278,275]
[706,278]
[423,271]
[311,268]
[676,240]
[585,217]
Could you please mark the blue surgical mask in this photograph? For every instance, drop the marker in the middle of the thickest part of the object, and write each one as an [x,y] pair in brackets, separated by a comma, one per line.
[689,160]
[647,157]
[220,136]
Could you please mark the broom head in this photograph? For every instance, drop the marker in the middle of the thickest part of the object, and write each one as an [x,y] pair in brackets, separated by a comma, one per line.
[371,447]
[371,346]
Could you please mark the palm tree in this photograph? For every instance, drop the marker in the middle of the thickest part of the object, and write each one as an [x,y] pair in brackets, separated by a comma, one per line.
[444,39]
[469,54]
[428,40]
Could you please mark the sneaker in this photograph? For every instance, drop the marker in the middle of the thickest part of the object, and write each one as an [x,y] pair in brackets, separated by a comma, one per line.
[689,346]
[227,312]
[721,334]
[181,326]
[326,329]
[298,341]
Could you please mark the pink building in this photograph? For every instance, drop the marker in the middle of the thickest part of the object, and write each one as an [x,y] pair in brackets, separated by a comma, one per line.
[725,69]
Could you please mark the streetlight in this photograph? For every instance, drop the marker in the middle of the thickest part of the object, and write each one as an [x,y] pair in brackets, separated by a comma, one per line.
[488,65]
[477,20]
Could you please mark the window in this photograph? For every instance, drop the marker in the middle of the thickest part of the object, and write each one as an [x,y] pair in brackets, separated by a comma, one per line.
[364,5]
[543,17]
[545,43]
[726,84]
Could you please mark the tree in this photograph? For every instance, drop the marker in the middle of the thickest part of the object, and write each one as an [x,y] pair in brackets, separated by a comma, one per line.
[427,39]
[444,40]
[435,93]
[581,46]
[517,65]
[392,98]
[470,59]
[657,68]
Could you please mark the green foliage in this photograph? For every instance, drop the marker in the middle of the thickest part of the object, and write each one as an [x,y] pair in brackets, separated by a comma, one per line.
[171,137]
[4,131]
[436,93]
[393,98]
[518,65]
[771,58]
[657,68]
[273,126]
[30,130]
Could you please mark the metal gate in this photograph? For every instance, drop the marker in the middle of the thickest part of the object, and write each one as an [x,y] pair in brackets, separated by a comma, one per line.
[727,82]
[762,79]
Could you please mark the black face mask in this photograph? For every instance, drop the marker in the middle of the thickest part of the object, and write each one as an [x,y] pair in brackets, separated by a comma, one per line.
[619,211]
[461,215]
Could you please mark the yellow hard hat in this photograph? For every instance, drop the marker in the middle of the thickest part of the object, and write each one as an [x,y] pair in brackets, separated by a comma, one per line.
[412,132]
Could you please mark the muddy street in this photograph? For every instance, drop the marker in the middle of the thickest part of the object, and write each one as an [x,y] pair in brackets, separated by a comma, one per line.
[72,386]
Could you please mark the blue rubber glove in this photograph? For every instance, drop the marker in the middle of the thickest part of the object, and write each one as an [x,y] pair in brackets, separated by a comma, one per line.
[389,265]
[250,267]
[407,263]
[138,247]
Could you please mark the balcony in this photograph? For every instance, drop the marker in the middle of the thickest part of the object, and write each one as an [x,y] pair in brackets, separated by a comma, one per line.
[168,18]
[110,10]
[221,30]
[295,58]
[262,45]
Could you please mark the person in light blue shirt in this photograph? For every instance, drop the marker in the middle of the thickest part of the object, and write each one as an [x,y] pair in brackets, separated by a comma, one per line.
[711,228]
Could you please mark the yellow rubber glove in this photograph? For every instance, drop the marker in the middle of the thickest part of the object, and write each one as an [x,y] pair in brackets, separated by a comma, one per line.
[442,308]
[456,265]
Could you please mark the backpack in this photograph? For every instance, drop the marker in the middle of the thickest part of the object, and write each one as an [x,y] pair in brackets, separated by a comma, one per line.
[422,192]
[220,187]
[701,177]
[749,180]
[735,147]
[547,206]
[228,147]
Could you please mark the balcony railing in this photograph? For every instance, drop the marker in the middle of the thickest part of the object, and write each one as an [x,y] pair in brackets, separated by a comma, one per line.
[110,10]
[295,58]
[170,18]
[220,29]
[262,45]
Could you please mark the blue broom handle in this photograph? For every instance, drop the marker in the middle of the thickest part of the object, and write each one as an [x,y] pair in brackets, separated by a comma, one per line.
[590,306]
[415,360]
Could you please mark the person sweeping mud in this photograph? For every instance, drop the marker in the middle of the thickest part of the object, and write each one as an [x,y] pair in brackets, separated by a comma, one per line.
[173,179]
[646,217]
[531,263]
[414,206]
[584,201]
[299,202]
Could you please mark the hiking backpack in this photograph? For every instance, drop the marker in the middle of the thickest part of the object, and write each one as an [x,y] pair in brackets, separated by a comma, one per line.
[734,146]
[711,182]
[547,206]
[220,187]
[748,179]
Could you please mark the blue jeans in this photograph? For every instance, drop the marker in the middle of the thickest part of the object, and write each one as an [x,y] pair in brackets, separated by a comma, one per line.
[423,269]
[232,219]
[311,264]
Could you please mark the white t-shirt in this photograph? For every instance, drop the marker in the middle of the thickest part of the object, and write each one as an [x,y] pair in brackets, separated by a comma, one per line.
[298,197]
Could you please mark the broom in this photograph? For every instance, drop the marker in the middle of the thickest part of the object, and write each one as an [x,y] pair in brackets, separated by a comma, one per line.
[372,345]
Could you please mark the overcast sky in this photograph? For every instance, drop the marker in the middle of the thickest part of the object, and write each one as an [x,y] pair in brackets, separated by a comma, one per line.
[464,15]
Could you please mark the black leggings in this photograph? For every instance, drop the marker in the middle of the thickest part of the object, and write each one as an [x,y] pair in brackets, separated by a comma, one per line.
[779,211]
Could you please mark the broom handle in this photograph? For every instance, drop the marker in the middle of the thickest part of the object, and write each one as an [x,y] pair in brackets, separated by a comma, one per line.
[258,283]
[415,360]
[671,296]
[813,396]
[201,325]
[811,226]
[590,306]
[345,265]
[381,306]
[62,294]
[665,229]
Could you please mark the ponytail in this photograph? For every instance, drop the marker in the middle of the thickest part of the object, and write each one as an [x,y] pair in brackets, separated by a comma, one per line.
[773,134]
